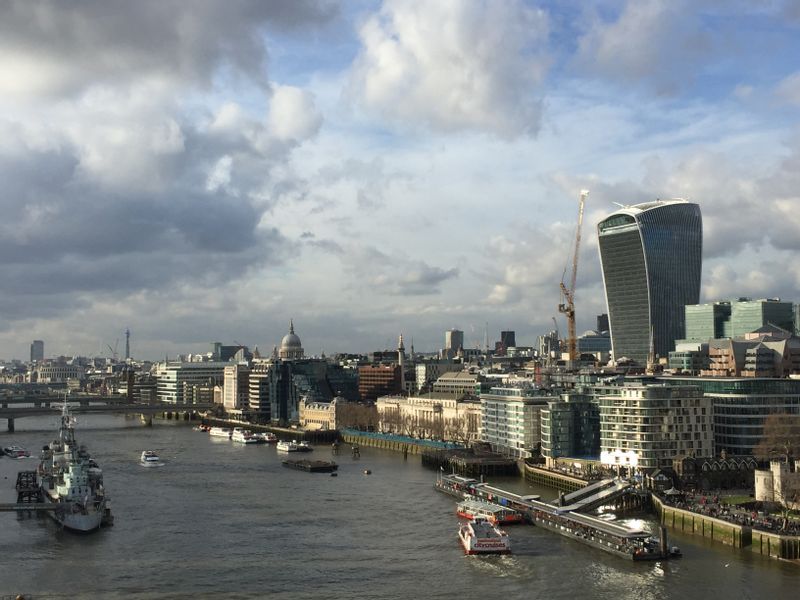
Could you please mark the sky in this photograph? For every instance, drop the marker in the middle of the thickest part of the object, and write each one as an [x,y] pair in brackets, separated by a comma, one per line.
[206,171]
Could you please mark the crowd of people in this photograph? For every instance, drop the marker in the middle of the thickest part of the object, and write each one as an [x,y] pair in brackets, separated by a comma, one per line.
[711,506]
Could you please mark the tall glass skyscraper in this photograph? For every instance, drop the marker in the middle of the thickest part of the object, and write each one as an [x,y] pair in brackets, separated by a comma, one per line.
[651,256]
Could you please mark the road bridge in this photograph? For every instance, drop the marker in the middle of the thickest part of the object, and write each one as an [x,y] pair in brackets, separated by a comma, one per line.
[94,405]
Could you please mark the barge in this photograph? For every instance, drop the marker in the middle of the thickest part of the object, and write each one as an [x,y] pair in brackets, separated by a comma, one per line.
[312,466]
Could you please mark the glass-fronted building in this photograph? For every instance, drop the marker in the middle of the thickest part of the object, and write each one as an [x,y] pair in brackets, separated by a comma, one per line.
[651,257]
[571,427]
[749,315]
[741,404]
[707,321]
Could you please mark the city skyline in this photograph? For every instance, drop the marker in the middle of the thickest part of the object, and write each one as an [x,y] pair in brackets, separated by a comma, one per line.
[209,172]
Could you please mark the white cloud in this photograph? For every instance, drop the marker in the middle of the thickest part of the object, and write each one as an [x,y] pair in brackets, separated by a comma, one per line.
[472,65]
[292,114]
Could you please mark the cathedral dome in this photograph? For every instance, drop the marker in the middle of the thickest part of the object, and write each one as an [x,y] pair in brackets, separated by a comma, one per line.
[290,344]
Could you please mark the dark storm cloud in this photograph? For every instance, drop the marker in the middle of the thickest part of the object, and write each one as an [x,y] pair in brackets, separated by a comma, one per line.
[73,44]
[62,234]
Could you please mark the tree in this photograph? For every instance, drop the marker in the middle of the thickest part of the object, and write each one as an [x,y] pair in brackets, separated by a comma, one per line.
[780,438]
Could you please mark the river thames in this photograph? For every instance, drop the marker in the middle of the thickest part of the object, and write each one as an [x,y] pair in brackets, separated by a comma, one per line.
[227,520]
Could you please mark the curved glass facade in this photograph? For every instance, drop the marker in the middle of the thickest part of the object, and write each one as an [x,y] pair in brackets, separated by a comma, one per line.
[651,256]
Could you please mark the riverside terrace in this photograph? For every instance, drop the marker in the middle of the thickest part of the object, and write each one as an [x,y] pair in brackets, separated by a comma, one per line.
[711,506]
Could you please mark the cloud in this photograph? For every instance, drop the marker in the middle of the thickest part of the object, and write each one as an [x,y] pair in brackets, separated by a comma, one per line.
[454,66]
[788,89]
[54,48]
[292,114]
[659,44]
[381,273]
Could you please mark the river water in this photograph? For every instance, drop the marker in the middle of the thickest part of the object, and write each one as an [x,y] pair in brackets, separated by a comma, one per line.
[226,520]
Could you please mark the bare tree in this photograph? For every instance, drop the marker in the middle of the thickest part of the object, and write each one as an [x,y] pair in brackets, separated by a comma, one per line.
[780,438]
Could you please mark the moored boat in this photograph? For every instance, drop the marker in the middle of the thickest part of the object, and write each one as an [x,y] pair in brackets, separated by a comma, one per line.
[223,432]
[479,536]
[244,436]
[312,466]
[454,485]
[494,513]
[72,481]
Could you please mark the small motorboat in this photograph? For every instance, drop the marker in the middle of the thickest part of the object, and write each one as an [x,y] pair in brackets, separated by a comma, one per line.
[304,446]
[16,452]
[284,446]
[150,459]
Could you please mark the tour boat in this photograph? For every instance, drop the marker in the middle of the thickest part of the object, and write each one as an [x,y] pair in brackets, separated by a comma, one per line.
[479,536]
[244,436]
[150,459]
[220,432]
[16,452]
[287,446]
[494,513]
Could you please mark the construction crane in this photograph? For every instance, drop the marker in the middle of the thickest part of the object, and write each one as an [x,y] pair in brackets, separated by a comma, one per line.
[567,305]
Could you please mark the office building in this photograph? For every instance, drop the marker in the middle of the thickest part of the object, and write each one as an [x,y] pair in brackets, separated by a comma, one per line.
[378,380]
[651,257]
[749,315]
[453,342]
[705,322]
[740,406]
[37,351]
[172,379]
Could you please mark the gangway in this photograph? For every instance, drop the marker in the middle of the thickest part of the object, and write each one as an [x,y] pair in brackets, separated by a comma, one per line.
[604,496]
[589,490]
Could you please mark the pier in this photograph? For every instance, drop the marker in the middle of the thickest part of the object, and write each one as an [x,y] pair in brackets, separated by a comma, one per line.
[566,519]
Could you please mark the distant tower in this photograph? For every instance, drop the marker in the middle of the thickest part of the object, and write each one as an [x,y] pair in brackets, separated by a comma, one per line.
[127,344]
[401,360]
[37,351]
[453,340]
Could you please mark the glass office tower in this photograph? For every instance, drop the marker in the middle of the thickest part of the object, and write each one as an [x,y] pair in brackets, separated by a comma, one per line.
[651,256]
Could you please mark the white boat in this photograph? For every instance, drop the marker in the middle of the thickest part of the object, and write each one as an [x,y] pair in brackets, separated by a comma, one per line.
[220,432]
[150,459]
[470,508]
[244,436]
[284,446]
[16,452]
[479,536]
[72,481]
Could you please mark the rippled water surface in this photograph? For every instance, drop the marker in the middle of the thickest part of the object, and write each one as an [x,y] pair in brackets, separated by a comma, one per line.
[225,520]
